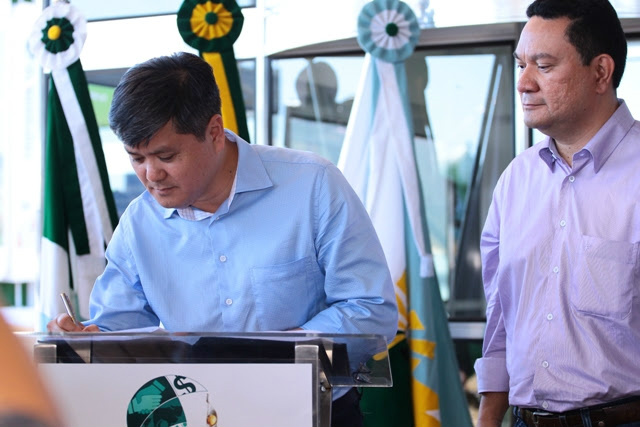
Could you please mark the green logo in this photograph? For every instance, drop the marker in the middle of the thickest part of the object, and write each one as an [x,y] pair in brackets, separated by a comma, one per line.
[171,401]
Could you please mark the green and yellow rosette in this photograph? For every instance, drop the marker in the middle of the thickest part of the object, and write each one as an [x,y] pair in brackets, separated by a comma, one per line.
[211,27]
[388,30]
[58,36]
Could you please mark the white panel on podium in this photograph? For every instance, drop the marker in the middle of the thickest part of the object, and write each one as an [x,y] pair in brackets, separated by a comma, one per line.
[139,395]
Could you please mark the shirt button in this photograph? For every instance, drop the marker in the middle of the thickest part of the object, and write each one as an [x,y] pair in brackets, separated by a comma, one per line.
[545,404]
[545,364]
[549,316]
[556,269]
[223,258]
[572,178]
[563,223]
[228,301]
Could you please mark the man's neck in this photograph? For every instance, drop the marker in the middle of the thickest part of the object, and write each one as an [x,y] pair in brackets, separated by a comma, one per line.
[575,138]
[224,178]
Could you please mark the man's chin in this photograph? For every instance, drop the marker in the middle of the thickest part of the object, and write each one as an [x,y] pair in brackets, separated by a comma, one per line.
[168,203]
[532,123]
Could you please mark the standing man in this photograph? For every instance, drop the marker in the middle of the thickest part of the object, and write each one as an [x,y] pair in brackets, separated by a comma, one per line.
[232,237]
[561,244]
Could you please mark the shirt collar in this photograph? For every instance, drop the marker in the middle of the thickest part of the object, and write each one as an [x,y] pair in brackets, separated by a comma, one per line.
[251,175]
[548,152]
[603,143]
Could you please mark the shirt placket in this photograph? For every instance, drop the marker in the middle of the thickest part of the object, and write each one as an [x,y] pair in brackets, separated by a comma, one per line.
[557,279]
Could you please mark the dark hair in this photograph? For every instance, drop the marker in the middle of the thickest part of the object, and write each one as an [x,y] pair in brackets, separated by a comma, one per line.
[594,29]
[178,88]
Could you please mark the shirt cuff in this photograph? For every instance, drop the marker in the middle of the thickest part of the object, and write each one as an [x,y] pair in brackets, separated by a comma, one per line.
[492,375]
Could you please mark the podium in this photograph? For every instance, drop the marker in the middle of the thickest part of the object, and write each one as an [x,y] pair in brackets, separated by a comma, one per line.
[148,379]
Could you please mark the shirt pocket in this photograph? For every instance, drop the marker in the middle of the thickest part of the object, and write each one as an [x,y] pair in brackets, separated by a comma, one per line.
[284,294]
[606,277]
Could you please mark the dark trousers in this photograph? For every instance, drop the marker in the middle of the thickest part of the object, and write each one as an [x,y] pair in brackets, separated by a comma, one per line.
[520,423]
[345,411]
[586,421]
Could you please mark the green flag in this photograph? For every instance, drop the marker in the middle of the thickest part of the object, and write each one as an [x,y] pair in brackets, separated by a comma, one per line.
[79,213]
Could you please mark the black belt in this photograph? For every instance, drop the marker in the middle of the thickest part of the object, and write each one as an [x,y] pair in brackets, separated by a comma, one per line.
[607,415]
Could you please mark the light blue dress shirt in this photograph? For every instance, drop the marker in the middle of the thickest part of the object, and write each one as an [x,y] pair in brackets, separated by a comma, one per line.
[293,248]
[561,268]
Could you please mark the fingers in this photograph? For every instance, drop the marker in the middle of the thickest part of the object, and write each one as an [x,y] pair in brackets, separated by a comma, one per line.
[64,323]
[91,328]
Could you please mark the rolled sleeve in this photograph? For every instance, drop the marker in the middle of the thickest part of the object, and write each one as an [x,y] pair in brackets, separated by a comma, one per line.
[492,375]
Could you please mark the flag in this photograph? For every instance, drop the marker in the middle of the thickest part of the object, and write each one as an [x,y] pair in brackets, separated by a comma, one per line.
[79,213]
[212,26]
[377,158]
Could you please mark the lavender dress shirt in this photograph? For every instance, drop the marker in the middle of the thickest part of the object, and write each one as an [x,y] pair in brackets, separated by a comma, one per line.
[561,270]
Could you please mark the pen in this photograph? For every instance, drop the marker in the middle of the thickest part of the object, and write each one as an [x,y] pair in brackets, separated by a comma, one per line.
[67,305]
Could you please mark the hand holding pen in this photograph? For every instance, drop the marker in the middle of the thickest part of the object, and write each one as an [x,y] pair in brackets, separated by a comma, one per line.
[68,322]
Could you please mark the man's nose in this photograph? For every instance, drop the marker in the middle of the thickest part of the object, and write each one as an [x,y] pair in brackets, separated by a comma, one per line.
[526,81]
[155,172]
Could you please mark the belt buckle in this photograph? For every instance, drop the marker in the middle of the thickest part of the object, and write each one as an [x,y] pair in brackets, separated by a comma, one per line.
[539,414]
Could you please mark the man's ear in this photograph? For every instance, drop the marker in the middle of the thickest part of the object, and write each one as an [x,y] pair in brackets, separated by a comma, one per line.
[215,130]
[603,66]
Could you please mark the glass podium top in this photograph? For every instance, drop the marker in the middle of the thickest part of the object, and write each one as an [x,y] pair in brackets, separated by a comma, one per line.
[345,360]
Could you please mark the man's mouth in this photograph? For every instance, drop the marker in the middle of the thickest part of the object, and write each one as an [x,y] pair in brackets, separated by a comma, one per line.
[531,104]
[162,190]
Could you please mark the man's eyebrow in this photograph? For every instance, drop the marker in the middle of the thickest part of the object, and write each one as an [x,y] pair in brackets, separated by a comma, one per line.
[535,57]
[159,150]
